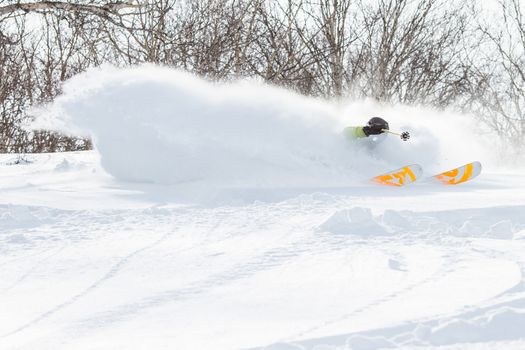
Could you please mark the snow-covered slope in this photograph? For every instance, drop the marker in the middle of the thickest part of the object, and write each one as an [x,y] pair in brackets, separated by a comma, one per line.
[87,262]
[298,251]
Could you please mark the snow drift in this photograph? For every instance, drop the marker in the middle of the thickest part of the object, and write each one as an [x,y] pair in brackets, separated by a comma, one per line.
[154,124]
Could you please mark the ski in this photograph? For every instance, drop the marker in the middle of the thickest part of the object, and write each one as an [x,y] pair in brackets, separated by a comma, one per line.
[410,173]
[399,177]
[459,175]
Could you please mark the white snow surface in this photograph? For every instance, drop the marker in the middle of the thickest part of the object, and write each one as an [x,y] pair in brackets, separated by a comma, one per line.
[234,216]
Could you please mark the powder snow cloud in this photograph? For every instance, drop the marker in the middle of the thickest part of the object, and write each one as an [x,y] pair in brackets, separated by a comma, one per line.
[161,125]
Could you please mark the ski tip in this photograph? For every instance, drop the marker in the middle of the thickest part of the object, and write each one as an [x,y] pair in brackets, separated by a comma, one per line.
[460,174]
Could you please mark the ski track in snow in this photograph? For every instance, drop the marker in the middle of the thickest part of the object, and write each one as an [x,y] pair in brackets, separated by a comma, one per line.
[310,270]
[96,284]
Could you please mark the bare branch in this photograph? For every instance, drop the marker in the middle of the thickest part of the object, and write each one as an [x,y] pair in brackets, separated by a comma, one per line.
[105,10]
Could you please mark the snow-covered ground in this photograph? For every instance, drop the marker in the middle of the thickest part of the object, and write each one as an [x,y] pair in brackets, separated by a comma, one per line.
[260,234]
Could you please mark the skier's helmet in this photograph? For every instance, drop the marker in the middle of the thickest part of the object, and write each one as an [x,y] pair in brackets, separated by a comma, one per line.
[378,123]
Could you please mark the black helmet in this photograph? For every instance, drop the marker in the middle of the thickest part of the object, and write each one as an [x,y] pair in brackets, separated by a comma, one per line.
[377,123]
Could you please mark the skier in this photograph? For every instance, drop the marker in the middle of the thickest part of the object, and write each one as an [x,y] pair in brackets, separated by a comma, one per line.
[375,126]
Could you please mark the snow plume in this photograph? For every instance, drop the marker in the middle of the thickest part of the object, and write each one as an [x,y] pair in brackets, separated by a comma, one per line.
[160,125]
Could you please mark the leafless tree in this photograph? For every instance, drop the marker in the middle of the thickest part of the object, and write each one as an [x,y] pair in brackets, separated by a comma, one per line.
[411,52]
[502,106]
[33,63]
[407,51]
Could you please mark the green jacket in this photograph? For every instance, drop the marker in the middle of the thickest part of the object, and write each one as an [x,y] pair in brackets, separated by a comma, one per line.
[354,132]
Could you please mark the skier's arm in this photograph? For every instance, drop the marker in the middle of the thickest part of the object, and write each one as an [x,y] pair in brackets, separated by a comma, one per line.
[354,132]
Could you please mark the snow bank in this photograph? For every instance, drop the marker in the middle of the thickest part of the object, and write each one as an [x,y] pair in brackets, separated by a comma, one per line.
[13,217]
[358,221]
[159,125]
[496,223]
